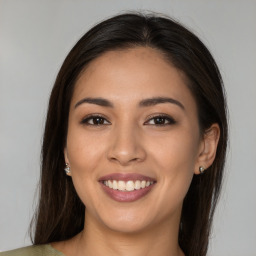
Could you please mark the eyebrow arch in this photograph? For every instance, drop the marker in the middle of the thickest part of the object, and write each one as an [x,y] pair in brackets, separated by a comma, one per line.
[98,101]
[144,103]
[158,100]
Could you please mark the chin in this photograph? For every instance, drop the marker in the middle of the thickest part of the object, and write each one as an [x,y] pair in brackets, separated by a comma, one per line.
[126,222]
[127,227]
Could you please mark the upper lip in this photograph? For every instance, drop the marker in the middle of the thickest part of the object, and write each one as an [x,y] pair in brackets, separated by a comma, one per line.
[126,177]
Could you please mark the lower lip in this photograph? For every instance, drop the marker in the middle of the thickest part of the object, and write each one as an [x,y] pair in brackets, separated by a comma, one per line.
[126,196]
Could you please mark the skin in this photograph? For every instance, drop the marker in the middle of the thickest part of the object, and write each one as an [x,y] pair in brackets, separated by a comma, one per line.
[129,141]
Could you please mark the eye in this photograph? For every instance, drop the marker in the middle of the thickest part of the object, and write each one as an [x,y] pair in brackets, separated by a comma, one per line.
[161,120]
[95,120]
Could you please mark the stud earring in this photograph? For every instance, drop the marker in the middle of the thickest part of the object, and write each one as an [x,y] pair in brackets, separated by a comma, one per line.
[67,169]
[201,170]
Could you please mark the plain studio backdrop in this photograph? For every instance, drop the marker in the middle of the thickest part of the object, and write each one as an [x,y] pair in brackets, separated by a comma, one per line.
[35,37]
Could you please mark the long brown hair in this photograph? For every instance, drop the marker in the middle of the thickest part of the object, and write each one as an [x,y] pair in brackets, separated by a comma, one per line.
[60,213]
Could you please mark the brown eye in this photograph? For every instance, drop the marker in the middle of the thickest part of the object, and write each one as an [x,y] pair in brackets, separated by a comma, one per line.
[95,120]
[161,120]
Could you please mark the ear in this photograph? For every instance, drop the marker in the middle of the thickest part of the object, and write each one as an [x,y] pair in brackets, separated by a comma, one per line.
[67,161]
[208,148]
[66,155]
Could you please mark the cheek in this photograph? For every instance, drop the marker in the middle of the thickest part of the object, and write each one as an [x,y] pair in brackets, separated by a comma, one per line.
[176,152]
[175,158]
[83,151]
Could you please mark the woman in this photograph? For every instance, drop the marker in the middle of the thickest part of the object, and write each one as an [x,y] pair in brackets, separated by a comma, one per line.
[134,144]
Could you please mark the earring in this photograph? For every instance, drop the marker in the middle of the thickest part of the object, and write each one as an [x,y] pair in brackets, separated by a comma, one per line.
[201,170]
[67,169]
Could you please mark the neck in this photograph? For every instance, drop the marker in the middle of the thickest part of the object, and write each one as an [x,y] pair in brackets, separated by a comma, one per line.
[98,240]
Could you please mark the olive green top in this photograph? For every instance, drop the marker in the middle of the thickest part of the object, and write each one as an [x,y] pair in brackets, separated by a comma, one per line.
[34,250]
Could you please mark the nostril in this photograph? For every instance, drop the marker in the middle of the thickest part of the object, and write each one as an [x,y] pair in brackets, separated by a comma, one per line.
[126,155]
[125,160]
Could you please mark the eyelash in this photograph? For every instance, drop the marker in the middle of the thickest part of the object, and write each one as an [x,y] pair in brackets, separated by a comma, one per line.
[162,116]
[86,120]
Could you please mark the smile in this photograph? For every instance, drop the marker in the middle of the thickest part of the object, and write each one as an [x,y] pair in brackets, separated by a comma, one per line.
[126,187]
[130,185]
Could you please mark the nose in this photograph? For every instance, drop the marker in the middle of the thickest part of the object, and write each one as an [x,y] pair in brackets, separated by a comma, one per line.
[126,146]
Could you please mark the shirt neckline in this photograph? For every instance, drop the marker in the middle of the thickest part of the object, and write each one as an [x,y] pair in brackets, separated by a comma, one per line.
[55,250]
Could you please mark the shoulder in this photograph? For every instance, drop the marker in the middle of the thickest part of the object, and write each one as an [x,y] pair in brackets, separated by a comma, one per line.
[33,250]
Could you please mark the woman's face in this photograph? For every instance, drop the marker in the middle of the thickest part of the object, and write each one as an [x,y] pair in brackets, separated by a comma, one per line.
[133,140]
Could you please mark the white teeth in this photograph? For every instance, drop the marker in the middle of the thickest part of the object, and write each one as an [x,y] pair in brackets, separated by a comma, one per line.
[110,184]
[114,184]
[121,185]
[127,185]
[137,184]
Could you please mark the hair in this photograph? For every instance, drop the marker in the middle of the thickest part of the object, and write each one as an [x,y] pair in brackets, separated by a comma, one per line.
[60,212]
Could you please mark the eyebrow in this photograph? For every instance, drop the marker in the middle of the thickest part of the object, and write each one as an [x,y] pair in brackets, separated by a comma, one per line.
[158,100]
[98,101]
[144,103]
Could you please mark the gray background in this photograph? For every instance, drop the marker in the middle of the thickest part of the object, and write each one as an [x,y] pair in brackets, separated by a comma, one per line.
[35,36]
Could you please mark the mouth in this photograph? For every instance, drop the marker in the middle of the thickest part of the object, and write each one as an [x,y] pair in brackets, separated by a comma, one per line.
[129,185]
[126,187]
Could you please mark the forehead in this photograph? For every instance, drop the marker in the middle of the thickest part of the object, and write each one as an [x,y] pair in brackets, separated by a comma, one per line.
[129,60]
[130,74]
